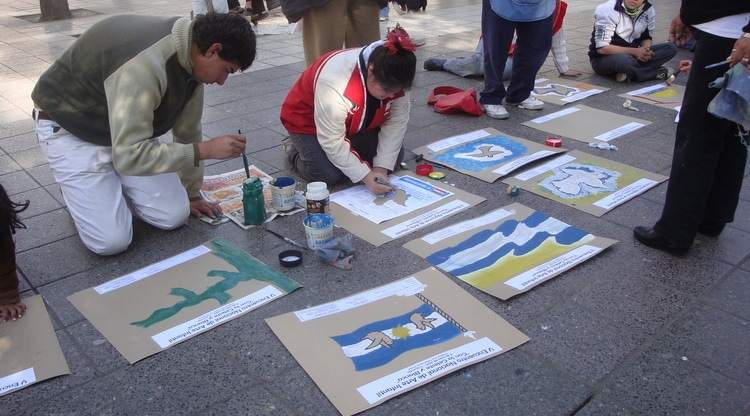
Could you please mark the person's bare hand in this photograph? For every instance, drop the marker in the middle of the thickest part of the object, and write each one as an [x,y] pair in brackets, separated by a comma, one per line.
[643,54]
[679,33]
[572,73]
[684,66]
[200,206]
[372,184]
[12,312]
[222,147]
[740,52]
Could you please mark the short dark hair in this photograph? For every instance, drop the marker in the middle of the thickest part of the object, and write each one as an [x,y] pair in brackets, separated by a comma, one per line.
[393,71]
[232,31]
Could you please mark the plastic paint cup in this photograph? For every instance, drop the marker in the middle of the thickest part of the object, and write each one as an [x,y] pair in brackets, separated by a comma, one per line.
[282,193]
[318,230]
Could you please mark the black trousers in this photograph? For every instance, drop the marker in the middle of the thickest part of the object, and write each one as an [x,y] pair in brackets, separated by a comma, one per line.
[532,47]
[709,161]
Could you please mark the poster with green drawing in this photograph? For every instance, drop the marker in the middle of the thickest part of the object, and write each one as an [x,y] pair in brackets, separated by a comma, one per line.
[374,345]
[589,183]
[508,251]
[153,308]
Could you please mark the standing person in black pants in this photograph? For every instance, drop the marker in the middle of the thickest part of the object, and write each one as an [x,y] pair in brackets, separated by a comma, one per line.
[532,23]
[709,160]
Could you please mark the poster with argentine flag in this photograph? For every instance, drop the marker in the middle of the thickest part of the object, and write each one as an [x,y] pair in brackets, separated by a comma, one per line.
[385,341]
[509,250]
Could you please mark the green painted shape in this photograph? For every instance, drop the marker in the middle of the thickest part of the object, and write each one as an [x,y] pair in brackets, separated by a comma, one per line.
[248,268]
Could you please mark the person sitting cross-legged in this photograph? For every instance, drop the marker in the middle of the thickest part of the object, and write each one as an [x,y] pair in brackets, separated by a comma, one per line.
[621,43]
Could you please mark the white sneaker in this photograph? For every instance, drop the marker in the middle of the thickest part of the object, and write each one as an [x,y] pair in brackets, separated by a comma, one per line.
[496,111]
[530,103]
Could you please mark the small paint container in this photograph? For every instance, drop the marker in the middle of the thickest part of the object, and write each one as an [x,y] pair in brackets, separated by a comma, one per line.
[282,193]
[437,175]
[553,142]
[290,258]
[318,230]
[424,169]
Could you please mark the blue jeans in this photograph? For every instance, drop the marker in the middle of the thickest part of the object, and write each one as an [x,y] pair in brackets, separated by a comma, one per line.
[533,43]
[473,66]
[635,69]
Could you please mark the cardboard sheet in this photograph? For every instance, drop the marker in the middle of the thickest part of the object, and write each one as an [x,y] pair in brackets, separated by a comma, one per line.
[586,182]
[29,350]
[485,154]
[586,124]
[153,308]
[375,345]
[660,95]
[559,91]
[383,232]
[509,250]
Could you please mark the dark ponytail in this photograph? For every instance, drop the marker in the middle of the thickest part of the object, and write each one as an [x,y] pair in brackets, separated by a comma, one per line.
[9,212]
[394,64]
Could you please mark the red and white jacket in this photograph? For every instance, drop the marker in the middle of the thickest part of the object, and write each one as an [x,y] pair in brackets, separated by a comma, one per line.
[329,101]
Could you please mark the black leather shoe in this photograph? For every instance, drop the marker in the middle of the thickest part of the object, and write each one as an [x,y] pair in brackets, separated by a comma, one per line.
[434,64]
[655,239]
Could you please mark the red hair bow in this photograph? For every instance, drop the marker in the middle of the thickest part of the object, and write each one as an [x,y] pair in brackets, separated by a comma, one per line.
[397,39]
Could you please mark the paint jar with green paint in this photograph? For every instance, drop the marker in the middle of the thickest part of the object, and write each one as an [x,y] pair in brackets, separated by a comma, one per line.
[253,204]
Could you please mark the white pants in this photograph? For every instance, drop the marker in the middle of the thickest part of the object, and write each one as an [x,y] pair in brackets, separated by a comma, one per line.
[95,193]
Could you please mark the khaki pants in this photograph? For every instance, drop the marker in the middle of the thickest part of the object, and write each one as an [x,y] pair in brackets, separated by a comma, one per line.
[337,24]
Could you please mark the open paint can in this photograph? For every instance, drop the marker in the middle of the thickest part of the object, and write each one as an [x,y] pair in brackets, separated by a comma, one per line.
[282,193]
[318,230]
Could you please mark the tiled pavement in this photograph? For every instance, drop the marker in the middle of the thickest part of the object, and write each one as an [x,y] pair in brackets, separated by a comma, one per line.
[632,332]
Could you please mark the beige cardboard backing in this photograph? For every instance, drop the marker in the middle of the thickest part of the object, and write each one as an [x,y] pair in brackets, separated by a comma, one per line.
[112,313]
[629,175]
[30,342]
[585,124]
[321,357]
[373,233]
[488,175]
[557,99]
[664,102]
[500,289]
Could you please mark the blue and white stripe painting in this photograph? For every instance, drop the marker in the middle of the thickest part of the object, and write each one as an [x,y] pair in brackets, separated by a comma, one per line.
[517,238]
[380,342]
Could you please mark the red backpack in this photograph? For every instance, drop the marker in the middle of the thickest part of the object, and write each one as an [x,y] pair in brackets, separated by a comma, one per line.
[451,100]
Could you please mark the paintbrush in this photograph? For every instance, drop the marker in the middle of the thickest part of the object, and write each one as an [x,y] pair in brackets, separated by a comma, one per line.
[287,239]
[718,64]
[244,159]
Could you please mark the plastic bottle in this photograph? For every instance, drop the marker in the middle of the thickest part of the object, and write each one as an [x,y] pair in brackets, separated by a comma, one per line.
[253,204]
[317,198]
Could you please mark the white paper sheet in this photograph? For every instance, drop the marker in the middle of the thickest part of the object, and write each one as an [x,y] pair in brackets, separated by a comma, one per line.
[419,194]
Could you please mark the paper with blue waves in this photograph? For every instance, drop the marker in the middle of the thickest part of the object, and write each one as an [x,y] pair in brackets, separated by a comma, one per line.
[481,250]
[505,255]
